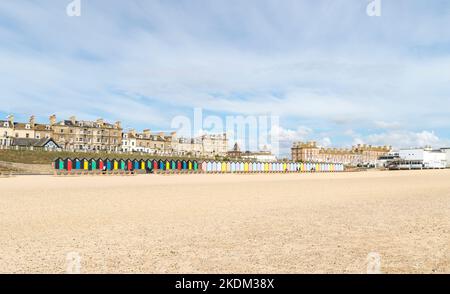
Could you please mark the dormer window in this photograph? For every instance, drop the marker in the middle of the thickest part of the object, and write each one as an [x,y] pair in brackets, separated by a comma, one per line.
[27,126]
[6,124]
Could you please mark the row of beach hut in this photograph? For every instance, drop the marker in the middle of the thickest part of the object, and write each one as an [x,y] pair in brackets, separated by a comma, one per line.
[69,164]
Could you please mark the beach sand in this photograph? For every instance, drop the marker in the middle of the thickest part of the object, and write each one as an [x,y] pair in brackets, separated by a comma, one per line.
[294,223]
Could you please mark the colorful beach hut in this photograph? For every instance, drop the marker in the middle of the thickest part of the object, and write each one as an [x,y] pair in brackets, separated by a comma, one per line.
[76,163]
[122,164]
[129,164]
[68,164]
[59,164]
[92,164]
[84,164]
[108,164]
[161,165]
[100,164]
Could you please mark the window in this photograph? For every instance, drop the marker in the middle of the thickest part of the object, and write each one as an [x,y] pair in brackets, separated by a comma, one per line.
[27,135]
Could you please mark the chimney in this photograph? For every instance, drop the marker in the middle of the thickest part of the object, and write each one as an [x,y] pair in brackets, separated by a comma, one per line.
[52,120]
[100,122]
[11,119]
[161,134]
[32,121]
[73,119]
[147,131]
[117,125]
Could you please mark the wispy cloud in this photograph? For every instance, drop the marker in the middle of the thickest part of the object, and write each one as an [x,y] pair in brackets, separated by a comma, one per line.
[324,65]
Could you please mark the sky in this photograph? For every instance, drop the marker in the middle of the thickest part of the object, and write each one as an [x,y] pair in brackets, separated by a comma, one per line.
[329,71]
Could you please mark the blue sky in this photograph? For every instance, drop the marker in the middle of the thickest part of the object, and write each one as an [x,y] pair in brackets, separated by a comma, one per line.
[328,70]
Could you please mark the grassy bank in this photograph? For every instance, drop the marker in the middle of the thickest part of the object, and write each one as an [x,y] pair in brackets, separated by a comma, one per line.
[46,157]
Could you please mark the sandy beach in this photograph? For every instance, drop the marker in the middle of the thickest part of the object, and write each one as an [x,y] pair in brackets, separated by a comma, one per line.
[295,223]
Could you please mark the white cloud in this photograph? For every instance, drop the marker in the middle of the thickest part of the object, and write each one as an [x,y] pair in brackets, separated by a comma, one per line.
[289,135]
[325,142]
[388,125]
[143,61]
[403,139]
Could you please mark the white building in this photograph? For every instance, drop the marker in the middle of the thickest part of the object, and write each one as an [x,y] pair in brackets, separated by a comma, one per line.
[214,144]
[385,160]
[209,145]
[6,131]
[447,155]
[259,156]
[188,146]
[129,143]
[423,158]
[263,155]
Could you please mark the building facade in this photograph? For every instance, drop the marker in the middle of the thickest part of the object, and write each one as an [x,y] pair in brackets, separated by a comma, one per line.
[83,135]
[447,156]
[260,156]
[9,130]
[263,155]
[357,155]
[214,145]
[188,147]
[6,131]
[147,142]
[423,158]
[210,146]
